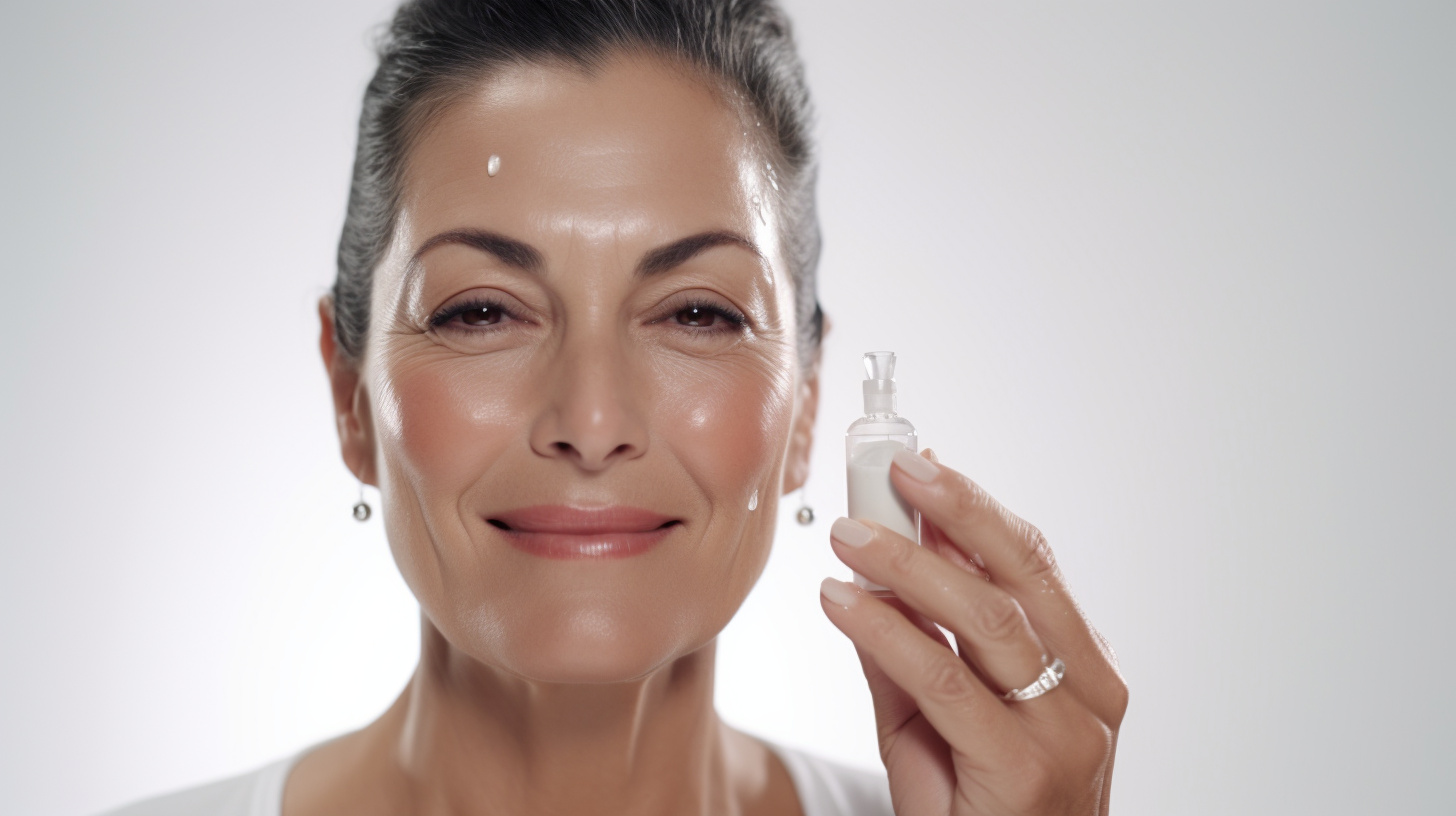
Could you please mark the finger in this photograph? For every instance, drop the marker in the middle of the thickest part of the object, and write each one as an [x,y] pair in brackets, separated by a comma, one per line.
[920,765]
[1013,551]
[916,758]
[894,707]
[935,540]
[1101,683]
[1017,557]
[962,710]
[989,624]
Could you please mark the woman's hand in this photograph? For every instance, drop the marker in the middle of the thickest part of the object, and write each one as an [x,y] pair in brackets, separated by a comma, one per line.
[950,742]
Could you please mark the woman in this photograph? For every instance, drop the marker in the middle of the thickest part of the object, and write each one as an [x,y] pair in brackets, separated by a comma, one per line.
[574,342]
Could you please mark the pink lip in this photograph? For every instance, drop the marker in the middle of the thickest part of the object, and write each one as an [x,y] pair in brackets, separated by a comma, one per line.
[568,533]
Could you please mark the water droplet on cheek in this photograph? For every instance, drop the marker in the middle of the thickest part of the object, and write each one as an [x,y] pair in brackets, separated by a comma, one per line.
[492,166]
[753,502]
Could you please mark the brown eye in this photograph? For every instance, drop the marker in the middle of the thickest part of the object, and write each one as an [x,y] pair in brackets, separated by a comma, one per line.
[481,316]
[696,316]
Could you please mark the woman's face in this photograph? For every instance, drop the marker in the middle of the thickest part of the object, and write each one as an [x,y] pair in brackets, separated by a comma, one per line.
[581,390]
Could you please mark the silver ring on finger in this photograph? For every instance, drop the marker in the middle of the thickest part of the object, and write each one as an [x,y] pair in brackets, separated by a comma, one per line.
[1050,678]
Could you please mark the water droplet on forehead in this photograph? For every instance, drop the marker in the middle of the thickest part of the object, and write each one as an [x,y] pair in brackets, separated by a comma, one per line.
[753,502]
[492,166]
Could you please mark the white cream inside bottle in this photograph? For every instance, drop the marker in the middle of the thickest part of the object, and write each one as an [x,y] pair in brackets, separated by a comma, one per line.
[869,446]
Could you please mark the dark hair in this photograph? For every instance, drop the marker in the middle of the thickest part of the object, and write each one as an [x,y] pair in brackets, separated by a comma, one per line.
[436,49]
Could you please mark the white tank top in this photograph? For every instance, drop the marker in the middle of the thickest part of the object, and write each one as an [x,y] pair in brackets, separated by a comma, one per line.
[825,789]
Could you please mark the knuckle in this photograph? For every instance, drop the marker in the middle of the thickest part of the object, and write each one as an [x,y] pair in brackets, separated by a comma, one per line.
[1042,777]
[900,560]
[1037,559]
[1112,693]
[978,509]
[972,503]
[887,745]
[1046,778]
[1118,704]
[880,626]
[1108,653]
[999,616]
[1097,743]
[1036,779]
[1087,747]
[948,681]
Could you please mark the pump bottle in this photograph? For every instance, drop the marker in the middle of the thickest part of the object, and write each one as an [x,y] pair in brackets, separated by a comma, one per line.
[869,446]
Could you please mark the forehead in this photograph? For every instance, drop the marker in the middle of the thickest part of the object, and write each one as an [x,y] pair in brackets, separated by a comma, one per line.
[636,147]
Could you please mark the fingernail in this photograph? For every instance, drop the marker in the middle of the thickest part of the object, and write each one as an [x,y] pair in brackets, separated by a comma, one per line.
[851,533]
[838,592]
[916,467]
[930,454]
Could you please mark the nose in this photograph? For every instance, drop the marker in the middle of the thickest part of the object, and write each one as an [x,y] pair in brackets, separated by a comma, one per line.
[593,415]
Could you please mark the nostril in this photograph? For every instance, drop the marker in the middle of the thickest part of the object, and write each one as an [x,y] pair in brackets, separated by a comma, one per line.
[563,447]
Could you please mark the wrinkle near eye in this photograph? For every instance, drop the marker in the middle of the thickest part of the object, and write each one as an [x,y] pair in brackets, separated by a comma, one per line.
[387,406]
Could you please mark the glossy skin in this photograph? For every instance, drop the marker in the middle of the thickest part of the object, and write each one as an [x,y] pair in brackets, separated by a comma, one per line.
[607,323]
[589,390]
[544,337]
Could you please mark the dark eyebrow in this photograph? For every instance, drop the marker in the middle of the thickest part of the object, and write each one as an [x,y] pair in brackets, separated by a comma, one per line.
[678,252]
[510,251]
[523,256]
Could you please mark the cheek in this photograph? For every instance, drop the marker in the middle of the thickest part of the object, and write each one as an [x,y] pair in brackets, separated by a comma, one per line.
[727,424]
[444,423]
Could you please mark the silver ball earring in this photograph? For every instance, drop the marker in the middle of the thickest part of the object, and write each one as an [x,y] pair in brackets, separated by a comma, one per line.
[805,516]
[362,510]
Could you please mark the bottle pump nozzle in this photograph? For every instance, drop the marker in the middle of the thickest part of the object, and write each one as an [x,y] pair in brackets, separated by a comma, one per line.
[879,387]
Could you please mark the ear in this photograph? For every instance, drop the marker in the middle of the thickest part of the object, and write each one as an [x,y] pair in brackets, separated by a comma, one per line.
[352,415]
[801,436]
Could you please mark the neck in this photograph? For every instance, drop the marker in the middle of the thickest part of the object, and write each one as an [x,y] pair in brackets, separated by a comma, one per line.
[464,739]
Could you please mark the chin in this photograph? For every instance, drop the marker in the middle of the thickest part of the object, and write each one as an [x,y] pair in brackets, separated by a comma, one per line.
[584,643]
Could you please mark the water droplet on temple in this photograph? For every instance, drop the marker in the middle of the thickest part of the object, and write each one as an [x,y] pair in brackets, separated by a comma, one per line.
[753,502]
[492,166]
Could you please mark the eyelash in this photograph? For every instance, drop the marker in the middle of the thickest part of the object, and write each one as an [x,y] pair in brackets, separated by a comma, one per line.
[736,322]
[449,313]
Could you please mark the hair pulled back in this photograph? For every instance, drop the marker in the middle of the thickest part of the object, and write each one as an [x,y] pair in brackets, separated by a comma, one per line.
[435,50]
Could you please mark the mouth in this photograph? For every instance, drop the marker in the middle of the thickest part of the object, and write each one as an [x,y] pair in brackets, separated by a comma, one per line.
[574,533]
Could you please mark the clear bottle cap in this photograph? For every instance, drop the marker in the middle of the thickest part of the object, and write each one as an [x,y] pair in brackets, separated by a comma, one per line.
[879,387]
[880,365]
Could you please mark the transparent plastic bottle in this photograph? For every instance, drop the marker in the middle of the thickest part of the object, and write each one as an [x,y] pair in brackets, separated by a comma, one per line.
[869,446]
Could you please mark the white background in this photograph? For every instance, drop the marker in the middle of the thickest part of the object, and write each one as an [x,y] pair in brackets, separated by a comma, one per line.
[1173,281]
